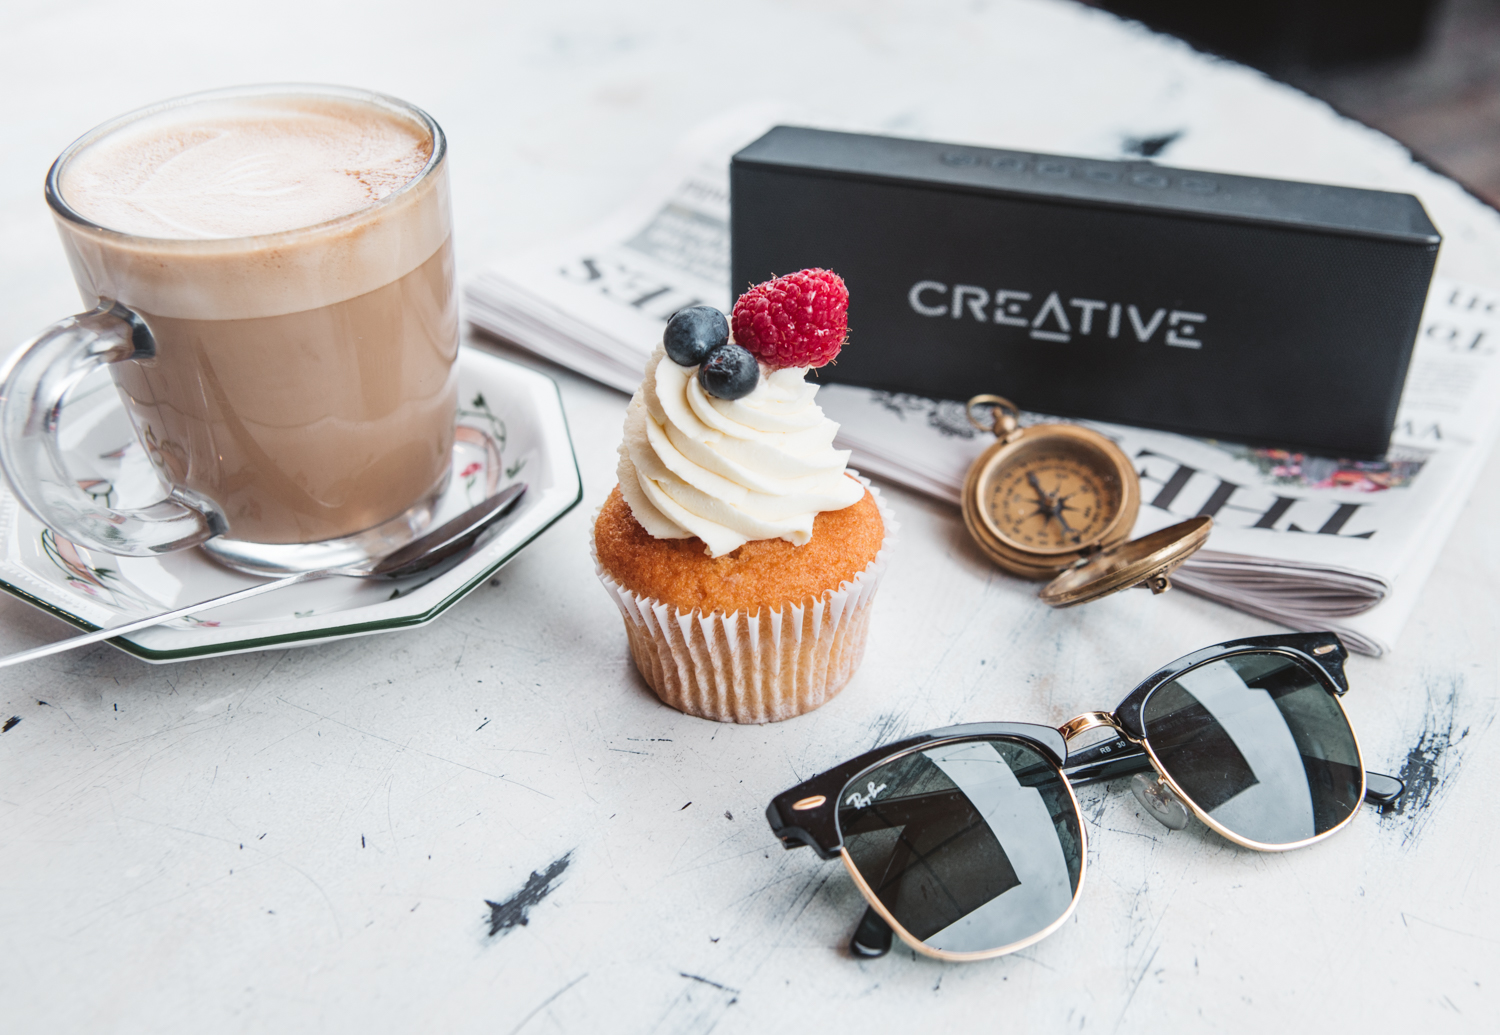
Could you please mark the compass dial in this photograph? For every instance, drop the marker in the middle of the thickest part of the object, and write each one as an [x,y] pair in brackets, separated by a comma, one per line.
[1048,496]
[1056,497]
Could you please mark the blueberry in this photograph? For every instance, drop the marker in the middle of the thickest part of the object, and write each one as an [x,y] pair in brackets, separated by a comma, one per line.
[693,333]
[729,372]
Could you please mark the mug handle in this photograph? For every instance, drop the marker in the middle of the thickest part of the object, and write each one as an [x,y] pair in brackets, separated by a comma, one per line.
[33,386]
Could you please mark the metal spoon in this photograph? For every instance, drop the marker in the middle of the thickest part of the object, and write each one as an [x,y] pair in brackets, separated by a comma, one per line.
[432,549]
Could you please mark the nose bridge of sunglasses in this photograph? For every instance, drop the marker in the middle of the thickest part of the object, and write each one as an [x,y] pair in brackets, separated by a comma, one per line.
[1089,721]
[1149,788]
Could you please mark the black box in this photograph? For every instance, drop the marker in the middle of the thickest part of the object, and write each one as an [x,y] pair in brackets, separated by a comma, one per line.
[1254,310]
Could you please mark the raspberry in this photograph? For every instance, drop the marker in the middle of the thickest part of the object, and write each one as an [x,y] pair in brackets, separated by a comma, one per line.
[799,320]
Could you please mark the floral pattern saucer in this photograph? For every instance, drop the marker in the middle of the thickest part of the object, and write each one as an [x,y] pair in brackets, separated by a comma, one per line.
[510,428]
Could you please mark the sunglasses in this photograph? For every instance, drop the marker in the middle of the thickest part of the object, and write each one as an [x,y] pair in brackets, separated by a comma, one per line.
[968,842]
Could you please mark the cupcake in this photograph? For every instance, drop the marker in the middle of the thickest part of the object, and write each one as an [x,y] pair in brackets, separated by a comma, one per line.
[743,554]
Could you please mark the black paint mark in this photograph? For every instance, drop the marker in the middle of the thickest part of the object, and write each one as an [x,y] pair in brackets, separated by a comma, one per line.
[44,704]
[262,837]
[729,815]
[679,810]
[886,728]
[1421,771]
[1151,147]
[10,724]
[361,840]
[513,911]
[695,977]
[699,1007]
[483,724]
[1431,764]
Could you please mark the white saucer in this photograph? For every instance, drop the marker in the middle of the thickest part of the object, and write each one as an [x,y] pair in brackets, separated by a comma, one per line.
[512,428]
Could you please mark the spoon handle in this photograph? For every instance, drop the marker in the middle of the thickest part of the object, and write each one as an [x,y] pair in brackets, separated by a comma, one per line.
[145,623]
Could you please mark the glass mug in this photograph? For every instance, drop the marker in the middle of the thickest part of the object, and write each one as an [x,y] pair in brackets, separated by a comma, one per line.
[291,375]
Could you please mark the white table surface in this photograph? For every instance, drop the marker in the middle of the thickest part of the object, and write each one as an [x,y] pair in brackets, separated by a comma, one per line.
[306,839]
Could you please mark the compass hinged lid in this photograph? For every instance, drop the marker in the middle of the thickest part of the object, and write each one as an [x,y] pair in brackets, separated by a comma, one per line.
[1147,561]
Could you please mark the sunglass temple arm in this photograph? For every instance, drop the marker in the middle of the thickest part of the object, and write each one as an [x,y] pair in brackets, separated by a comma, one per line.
[1119,757]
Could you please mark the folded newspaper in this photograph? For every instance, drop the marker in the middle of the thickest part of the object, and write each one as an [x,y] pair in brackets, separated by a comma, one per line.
[1309,542]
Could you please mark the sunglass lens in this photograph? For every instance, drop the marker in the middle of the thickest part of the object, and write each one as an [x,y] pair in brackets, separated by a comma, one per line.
[971,846]
[1259,744]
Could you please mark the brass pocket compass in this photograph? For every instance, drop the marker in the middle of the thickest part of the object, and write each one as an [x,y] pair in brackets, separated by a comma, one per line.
[1058,501]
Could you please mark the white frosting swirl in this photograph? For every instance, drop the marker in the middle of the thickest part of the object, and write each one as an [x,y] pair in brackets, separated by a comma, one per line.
[729,471]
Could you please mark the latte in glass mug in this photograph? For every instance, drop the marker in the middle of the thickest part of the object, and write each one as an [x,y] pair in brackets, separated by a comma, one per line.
[275,265]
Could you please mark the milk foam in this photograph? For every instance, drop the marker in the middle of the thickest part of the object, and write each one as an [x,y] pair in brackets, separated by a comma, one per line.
[243,167]
[202,192]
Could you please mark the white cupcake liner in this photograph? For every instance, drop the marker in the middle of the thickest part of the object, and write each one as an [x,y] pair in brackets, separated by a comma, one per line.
[753,669]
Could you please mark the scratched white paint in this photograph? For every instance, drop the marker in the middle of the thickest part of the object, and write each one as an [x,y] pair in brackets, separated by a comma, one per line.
[384,788]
